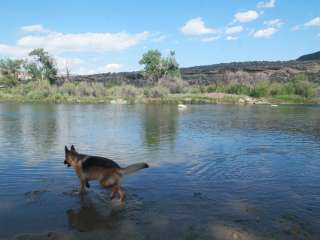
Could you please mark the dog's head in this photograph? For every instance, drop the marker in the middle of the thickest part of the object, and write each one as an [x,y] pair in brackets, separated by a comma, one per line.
[70,158]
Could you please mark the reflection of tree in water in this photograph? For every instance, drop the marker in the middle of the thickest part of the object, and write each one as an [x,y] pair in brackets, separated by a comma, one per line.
[33,127]
[160,121]
[11,123]
[43,125]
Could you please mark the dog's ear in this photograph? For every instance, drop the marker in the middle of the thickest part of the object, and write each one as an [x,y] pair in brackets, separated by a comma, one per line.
[66,150]
[73,149]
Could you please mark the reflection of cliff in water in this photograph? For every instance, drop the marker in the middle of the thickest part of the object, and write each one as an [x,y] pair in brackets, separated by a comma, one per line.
[265,118]
[160,122]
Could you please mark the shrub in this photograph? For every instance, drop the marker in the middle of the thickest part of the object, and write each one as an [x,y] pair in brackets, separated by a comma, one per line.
[238,89]
[305,89]
[193,89]
[156,92]
[175,85]
[129,91]
[260,90]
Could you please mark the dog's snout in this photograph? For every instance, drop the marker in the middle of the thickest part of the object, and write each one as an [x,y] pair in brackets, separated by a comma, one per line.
[68,164]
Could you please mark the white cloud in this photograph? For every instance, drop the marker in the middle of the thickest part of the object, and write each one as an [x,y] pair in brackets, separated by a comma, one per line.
[70,63]
[196,26]
[296,28]
[230,38]
[313,23]
[247,16]
[13,51]
[34,28]
[233,30]
[265,33]
[274,23]
[210,39]
[112,67]
[159,38]
[83,42]
[267,4]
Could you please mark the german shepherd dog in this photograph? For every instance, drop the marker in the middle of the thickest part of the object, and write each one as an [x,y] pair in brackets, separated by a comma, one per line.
[106,171]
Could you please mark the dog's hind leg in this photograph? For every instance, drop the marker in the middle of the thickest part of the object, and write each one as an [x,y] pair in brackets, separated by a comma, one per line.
[117,189]
[122,194]
[114,191]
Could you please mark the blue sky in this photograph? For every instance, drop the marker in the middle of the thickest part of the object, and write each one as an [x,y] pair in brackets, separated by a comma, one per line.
[100,36]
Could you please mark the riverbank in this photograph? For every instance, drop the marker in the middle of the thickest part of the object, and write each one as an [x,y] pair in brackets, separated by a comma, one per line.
[128,94]
[216,98]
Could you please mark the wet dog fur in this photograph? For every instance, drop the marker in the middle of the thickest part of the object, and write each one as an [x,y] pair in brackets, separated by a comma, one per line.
[104,170]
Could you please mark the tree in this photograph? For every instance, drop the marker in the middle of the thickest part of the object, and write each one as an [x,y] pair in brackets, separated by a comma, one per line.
[43,65]
[158,67]
[170,65]
[10,70]
[152,62]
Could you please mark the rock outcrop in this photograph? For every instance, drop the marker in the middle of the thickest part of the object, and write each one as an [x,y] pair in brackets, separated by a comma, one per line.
[244,72]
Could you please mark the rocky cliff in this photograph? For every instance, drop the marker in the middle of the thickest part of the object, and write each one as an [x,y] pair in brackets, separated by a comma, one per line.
[245,72]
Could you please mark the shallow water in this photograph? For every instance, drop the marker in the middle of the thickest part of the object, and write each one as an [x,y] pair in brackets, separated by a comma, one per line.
[217,172]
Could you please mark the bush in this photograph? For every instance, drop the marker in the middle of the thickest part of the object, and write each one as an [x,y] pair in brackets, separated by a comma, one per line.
[156,92]
[211,88]
[260,90]
[128,91]
[238,89]
[305,89]
[193,89]
[175,85]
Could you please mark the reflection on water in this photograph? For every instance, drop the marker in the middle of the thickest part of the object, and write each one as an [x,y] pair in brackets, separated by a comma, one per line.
[160,123]
[217,172]
[91,216]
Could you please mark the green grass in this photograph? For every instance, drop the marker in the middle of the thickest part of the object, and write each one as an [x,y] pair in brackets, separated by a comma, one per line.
[85,92]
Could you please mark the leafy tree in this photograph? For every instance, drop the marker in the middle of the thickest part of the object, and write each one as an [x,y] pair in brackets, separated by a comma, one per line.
[33,69]
[157,67]
[43,65]
[10,70]
[170,65]
[152,62]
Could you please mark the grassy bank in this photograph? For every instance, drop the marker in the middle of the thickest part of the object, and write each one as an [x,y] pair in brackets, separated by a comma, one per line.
[98,93]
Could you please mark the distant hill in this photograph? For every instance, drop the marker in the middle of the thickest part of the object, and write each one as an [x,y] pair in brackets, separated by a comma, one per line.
[308,57]
[242,72]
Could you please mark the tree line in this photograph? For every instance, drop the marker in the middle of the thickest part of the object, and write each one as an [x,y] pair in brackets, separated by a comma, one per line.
[41,66]
[38,66]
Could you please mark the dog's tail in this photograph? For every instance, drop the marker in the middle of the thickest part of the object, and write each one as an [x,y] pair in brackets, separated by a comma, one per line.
[133,168]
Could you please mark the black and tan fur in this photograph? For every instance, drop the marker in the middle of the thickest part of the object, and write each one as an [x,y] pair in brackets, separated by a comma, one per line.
[104,170]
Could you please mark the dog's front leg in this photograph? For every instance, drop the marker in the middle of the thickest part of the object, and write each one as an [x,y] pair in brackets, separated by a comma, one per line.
[82,186]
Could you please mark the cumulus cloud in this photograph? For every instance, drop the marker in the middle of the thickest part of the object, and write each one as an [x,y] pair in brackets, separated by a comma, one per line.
[230,38]
[13,51]
[36,28]
[265,33]
[233,30]
[247,16]
[159,38]
[70,63]
[266,4]
[210,39]
[112,67]
[82,42]
[196,26]
[274,23]
[313,22]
